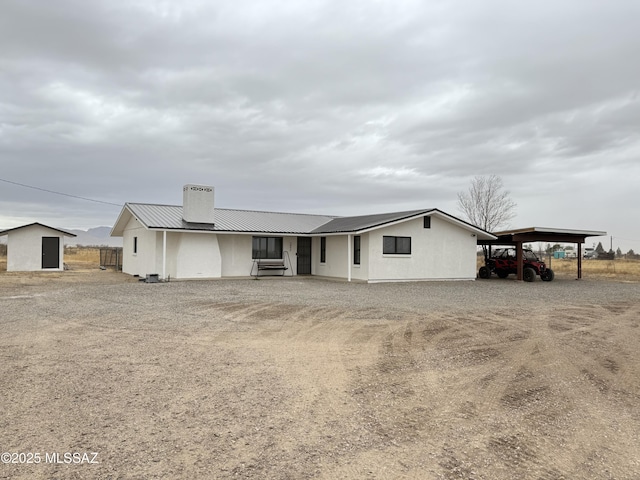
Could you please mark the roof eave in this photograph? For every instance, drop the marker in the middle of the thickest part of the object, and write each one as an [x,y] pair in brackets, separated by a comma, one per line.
[564,231]
[118,228]
[64,232]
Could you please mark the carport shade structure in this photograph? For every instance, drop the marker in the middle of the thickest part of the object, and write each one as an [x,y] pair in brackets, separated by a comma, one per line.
[539,234]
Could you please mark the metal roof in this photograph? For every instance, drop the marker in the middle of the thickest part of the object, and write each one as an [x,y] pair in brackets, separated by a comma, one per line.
[558,231]
[541,234]
[363,222]
[64,232]
[169,217]
[226,220]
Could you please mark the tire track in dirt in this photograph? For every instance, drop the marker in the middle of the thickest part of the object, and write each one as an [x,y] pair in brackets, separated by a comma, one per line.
[523,415]
[317,350]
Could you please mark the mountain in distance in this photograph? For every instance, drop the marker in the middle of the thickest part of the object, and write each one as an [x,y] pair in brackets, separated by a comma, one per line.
[98,236]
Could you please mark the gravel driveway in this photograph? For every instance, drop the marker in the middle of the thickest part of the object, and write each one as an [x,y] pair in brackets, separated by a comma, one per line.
[291,378]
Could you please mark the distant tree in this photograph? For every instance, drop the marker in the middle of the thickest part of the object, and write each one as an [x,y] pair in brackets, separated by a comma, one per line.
[618,252]
[600,248]
[552,248]
[487,204]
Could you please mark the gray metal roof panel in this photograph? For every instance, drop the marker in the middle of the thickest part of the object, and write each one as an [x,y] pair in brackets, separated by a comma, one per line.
[559,231]
[226,220]
[363,222]
[169,217]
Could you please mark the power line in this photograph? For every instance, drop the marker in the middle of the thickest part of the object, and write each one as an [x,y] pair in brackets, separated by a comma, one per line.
[60,193]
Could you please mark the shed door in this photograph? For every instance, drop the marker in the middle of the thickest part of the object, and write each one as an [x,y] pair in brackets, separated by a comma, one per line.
[304,256]
[50,252]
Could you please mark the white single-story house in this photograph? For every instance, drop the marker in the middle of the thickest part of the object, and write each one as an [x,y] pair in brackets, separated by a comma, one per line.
[35,247]
[196,240]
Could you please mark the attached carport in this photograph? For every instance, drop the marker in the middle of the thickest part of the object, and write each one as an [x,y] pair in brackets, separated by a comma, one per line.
[540,234]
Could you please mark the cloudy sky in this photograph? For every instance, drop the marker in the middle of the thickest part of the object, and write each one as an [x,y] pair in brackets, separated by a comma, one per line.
[339,107]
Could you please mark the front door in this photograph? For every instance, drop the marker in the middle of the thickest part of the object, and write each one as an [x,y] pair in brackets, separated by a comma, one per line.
[50,252]
[304,256]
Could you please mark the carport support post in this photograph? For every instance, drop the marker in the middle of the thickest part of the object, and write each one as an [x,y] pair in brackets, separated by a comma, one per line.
[579,261]
[520,258]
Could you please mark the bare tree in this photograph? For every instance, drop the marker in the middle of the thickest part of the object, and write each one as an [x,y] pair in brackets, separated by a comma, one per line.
[487,204]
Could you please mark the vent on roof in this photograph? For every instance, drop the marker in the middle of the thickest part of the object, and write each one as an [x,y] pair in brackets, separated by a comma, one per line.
[197,204]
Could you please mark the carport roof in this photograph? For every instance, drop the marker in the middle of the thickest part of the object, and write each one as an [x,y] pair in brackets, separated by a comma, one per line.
[542,234]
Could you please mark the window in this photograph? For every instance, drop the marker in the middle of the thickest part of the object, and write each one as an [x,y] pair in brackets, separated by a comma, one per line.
[323,249]
[427,222]
[267,247]
[356,250]
[135,244]
[396,245]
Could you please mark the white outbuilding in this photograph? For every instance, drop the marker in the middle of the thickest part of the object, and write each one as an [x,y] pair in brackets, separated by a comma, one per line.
[35,247]
[197,240]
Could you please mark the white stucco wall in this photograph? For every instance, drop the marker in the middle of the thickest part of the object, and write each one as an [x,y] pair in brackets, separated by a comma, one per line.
[193,255]
[443,252]
[336,257]
[144,261]
[24,249]
[188,255]
[236,249]
[361,272]
[197,256]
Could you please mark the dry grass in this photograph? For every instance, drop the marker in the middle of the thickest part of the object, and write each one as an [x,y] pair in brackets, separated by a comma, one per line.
[621,269]
[74,257]
[83,256]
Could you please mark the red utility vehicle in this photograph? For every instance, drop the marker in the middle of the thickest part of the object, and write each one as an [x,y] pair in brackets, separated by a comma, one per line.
[503,262]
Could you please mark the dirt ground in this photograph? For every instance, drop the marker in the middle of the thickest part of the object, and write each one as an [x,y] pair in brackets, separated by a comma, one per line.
[294,378]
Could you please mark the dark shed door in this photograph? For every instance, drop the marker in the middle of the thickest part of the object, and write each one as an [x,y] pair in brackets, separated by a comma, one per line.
[304,256]
[50,252]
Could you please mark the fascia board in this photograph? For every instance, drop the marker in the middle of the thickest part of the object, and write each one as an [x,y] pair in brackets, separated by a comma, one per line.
[228,232]
[125,215]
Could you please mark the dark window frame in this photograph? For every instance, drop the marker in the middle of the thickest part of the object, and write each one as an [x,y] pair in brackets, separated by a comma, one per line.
[266,248]
[323,249]
[427,222]
[135,245]
[393,245]
[356,249]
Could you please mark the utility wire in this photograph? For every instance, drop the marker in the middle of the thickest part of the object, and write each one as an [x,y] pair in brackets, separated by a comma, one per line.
[60,193]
